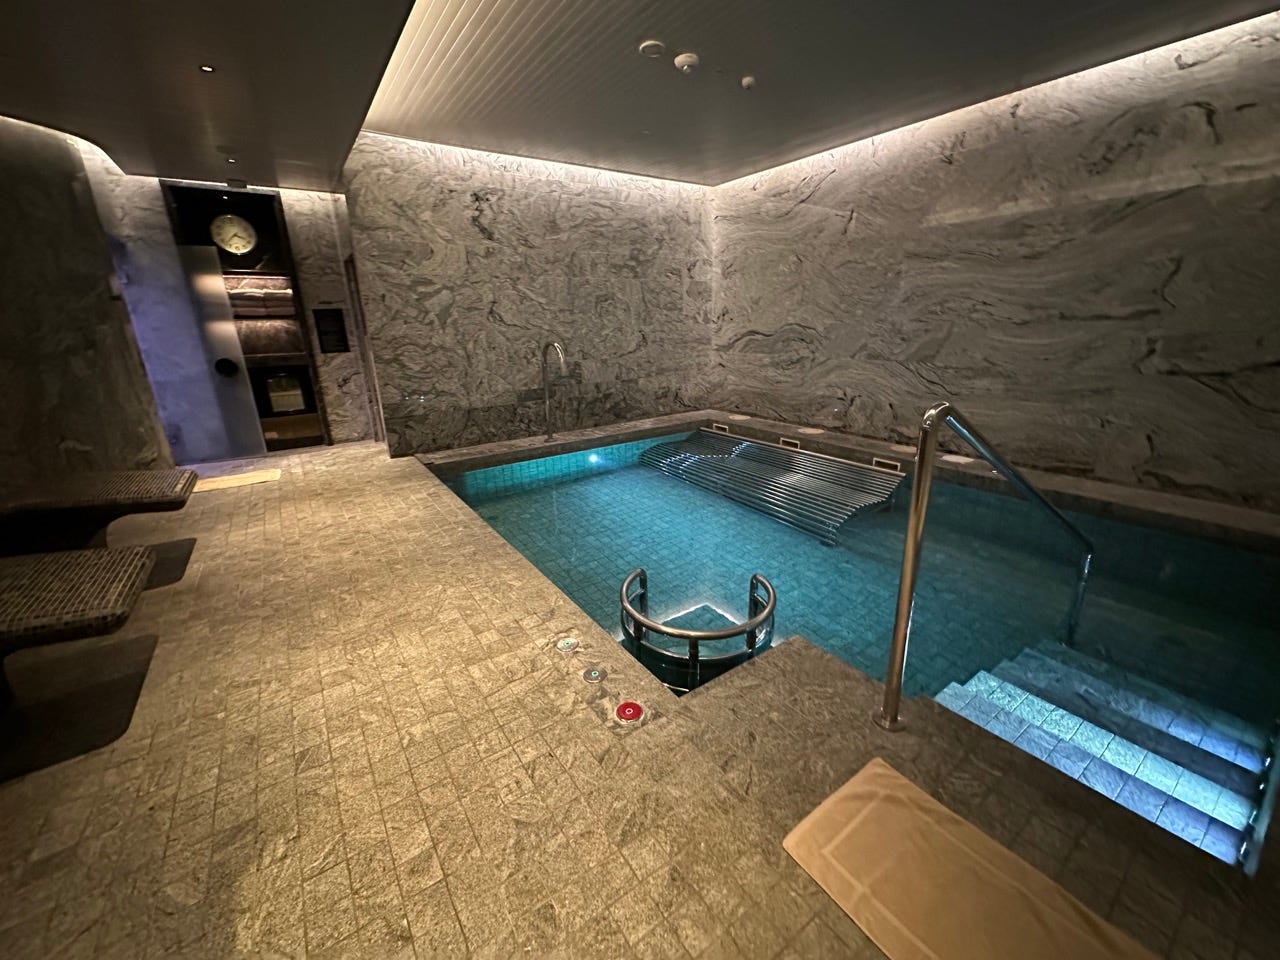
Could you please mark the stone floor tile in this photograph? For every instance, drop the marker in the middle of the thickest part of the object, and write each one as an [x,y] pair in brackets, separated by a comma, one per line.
[403,763]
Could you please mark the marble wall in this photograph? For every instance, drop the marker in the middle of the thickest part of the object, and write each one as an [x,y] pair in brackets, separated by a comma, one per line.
[1088,268]
[73,390]
[469,262]
[161,309]
[318,236]
[165,316]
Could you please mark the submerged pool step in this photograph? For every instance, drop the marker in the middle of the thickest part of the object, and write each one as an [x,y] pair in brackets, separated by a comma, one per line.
[1182,802]
[1128,716]
[810,492]
[1212,726]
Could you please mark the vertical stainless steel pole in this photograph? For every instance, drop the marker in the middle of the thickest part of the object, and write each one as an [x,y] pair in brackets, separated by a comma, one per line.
[888,716]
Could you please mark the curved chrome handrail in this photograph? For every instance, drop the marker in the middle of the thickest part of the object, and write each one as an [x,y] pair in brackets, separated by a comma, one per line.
[926,450]
[546,381]
[699,635]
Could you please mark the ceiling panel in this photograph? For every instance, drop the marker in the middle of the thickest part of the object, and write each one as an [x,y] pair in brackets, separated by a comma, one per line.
[292,81]
[563,80]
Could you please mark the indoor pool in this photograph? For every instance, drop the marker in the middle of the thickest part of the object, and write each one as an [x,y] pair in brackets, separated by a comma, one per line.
[1165,701]
[996,575]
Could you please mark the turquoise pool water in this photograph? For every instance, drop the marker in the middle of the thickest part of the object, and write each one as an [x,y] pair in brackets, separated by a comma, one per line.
[996,575]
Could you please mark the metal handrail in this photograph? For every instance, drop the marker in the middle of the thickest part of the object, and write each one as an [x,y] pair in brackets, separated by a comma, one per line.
[926,451]
[680,633]
[683,673]
[546,381]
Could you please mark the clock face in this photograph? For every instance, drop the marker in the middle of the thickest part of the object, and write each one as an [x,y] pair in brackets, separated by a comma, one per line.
[233,234]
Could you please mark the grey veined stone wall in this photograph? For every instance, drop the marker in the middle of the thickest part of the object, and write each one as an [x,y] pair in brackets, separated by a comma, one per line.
[73,392]
[1090,268]
[469,262]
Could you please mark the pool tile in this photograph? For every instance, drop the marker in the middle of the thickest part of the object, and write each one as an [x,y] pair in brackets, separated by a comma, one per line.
[1124,755]
[1197,792]
[1091,738]
[1007,696]
[1160,773]
[1069,758]
[1006,725]
[1222,841]
[1061,723]
[1033,709]
[955,697]
[980,710]
[1103,777]
[1142,798]
[1232,810]
[1184,821]
[1037,742]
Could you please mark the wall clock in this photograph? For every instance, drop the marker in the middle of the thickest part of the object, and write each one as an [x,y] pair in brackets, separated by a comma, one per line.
[233,234]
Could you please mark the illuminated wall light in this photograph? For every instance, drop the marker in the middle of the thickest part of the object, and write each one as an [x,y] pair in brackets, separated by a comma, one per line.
[535,166]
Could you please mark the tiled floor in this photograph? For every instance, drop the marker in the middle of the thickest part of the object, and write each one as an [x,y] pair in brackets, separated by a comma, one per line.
[356,739]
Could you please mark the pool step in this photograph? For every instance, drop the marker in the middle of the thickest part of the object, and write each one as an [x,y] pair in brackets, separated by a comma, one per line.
[808,491]
[1133,718]
[1191,715]
[1182,800]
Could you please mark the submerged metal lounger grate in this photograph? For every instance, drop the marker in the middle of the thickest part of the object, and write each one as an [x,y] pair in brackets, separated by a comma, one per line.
[809,491]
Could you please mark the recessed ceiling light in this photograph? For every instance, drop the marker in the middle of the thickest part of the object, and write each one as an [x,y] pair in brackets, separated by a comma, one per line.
[652,49]
[231,159]
[686,63]
[206,68]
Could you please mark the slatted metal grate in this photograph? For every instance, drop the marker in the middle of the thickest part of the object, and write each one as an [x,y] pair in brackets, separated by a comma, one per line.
[809,491]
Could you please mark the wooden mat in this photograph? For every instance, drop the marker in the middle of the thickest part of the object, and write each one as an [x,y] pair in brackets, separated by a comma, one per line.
[925,884]
[236,480]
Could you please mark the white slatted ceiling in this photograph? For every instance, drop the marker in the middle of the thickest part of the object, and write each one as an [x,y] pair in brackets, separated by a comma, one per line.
[562,80]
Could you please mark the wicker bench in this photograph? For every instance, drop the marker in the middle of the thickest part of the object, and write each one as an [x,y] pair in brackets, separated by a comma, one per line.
[74,511]
[50,597]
